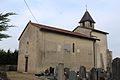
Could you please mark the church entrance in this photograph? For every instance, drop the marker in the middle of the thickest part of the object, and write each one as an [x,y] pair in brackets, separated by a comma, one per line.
[26,63]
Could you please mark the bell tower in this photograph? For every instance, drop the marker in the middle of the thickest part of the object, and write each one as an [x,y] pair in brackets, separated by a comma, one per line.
[87,21]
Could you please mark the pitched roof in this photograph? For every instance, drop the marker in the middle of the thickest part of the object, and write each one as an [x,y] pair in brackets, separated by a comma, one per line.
[57,30]
[87,17]
[96,30]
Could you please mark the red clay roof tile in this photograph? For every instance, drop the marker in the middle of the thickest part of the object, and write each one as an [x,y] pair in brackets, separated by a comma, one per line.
[62,31]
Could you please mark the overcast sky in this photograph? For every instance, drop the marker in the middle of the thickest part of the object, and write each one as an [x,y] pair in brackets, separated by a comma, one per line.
[63,14]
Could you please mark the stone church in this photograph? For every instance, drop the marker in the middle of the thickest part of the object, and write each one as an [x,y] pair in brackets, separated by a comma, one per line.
[42,46]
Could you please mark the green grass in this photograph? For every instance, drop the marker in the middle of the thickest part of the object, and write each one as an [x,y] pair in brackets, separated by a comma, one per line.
[21,76]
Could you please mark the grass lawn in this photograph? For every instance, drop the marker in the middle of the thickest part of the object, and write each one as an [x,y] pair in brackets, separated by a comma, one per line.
[21,76]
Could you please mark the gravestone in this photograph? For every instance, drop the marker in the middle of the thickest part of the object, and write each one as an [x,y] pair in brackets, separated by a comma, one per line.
[93,74]
[108,73]
[60,71]
[100,74]
[88,75]
[72,75]
[116,69]
[66,73]
[51,70]
[82,73]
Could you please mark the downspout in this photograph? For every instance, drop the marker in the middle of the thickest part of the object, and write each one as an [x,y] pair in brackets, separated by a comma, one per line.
[94,52]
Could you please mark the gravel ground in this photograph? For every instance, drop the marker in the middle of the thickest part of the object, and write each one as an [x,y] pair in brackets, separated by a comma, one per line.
[21,76]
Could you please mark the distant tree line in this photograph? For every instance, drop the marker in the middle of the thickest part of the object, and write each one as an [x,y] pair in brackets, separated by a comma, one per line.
[8,57]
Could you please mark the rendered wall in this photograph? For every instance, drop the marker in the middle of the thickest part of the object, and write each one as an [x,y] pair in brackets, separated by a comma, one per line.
[28,47]
[57,48]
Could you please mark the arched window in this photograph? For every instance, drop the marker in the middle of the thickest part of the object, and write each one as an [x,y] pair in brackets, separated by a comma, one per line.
[73,47]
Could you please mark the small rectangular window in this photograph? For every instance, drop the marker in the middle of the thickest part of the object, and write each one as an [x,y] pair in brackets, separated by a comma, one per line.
[67,47]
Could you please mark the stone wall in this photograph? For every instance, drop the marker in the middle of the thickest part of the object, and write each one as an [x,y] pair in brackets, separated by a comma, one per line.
[57,48]
[8,67]
[28,48]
